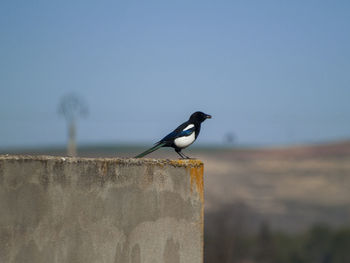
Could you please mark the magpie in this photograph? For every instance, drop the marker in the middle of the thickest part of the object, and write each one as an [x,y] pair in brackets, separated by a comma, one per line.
[182,137]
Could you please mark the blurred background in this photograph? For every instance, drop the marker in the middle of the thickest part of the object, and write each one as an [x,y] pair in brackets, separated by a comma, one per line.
[110,78]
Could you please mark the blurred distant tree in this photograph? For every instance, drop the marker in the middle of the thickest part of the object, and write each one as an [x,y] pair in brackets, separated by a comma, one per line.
[227,234]
[72,107]
[265,245]
[317,246]
[341,246]
[229,238]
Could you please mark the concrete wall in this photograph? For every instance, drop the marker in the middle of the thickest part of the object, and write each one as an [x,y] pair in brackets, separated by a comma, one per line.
[55,209]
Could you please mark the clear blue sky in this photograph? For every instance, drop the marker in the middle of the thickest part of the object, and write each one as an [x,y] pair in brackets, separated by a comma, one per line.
[271,72]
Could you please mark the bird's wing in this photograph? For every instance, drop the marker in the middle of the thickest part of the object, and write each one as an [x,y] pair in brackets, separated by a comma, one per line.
[179,132]
[187,132]
[170,136]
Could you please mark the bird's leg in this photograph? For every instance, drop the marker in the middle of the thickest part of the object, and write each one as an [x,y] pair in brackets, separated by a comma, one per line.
[178,151]
[186,156]
[181,154]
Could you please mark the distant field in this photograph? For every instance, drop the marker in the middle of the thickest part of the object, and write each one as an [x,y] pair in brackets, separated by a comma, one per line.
[291,188]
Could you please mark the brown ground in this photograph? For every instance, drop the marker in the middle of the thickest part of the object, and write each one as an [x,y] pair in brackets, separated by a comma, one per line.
[291,188]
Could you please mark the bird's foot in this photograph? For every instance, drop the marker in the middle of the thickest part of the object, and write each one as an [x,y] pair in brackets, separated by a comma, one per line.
[187,158]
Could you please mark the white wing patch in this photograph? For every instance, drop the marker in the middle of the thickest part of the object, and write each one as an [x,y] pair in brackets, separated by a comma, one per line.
[189,127]
[185,141]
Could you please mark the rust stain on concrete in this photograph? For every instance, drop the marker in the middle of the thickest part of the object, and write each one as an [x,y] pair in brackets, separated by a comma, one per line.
[196,169]
[196,173]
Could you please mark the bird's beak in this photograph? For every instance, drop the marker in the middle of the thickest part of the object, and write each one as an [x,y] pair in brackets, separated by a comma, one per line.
[208,116]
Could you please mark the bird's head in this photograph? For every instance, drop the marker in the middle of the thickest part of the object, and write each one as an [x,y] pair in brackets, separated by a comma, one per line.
[199,116]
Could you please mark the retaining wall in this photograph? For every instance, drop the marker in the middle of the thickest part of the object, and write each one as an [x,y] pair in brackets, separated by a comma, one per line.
[55,209]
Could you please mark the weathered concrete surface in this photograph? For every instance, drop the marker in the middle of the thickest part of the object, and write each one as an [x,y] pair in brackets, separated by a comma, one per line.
[55,209]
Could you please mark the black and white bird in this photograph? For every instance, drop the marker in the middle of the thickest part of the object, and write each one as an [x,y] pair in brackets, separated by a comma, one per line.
[182,137]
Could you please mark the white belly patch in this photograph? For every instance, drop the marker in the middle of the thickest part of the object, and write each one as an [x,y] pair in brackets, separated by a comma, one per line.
[183,142]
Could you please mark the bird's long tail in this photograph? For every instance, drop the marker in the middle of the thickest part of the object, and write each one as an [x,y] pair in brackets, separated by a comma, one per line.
[155,147]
